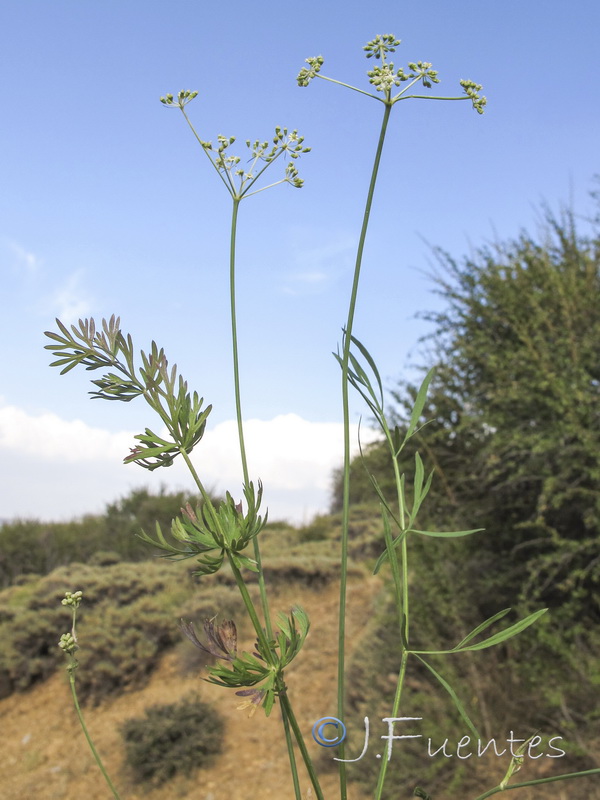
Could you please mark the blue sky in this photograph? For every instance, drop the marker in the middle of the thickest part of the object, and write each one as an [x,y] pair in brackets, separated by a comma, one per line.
[109,205]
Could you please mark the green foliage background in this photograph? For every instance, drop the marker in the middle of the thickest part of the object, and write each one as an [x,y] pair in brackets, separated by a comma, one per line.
[514,438]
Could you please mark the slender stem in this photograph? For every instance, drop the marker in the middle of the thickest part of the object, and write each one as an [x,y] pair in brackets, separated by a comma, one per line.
[251,182]
[283,698]
[393,559]
[404,553]
[348,86]
[265,643]
[346,412]
[430,97]
[234,339]
[227,181]
[238,407]
[263,188]
[395,710]
[400,95]
[401,588]
[538,781]
[89,738]
[290,748]
[196,477]
[287,711]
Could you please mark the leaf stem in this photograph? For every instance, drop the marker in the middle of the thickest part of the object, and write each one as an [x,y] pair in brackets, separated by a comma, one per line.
[205,496]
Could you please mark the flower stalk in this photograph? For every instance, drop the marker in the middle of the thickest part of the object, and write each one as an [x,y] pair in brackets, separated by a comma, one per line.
[68,644]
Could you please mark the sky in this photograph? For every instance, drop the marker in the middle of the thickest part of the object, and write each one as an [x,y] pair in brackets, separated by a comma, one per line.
[109,205]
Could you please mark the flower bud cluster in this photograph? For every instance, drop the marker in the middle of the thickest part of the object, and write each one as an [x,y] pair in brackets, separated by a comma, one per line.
[183,98]
[291,143]
[381,45]
[422,69]
[72,599]
[68,644]
[472,90]
[291,176]
[384,78]
[282,143]
[305,75]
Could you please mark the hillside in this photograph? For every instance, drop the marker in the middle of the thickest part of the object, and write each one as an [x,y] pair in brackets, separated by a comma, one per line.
[45,755]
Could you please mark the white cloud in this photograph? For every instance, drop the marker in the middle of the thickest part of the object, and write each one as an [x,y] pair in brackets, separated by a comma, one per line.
[50,438]
[293,453]
[71,468]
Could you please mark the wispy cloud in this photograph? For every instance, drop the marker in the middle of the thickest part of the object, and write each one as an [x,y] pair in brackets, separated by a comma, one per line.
[22,260]
[70,301]
[318,266]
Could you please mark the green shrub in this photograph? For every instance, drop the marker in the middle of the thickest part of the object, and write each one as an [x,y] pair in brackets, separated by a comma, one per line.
[170,739]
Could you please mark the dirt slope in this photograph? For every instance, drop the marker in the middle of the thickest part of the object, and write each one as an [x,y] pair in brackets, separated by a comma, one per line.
[45,757]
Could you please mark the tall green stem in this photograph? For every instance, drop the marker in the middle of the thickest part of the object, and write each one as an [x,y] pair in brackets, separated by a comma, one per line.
[291,755]
[286,705]
[89,738]
[286,708]
[238,406]
[341,698]
[401,590]
[234,339]
[395,710]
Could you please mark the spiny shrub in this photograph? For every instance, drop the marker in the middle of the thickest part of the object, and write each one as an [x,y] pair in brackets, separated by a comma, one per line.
[170,739]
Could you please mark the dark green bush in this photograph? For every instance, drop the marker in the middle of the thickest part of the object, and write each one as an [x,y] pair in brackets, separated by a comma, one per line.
[170,739]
